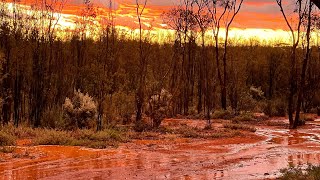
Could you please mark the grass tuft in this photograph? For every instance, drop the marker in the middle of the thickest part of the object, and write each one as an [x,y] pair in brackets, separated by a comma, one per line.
[7,149]
[7,139]
[222,114]
[191,132]
[245,117]
[52,137]
[239,127]
[88,138]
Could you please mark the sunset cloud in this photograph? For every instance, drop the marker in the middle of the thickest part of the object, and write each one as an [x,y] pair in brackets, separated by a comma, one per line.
[260,16]
[263,14]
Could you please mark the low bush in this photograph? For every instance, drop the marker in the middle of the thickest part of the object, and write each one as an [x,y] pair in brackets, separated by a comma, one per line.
[52,137]
[24,132]
[158,107]
[261,116]
[121,108]
[150,135]
[85,137]
[297,173]
[225,133]
[275,107]
[79,111]
[276,123]
[247,102]
[239,127]
[189,132]
[105,135]
[223,114]
[7,149]
[192,132]
[244,117]
[53,118]
[142,126]
[307,117]
[7,139]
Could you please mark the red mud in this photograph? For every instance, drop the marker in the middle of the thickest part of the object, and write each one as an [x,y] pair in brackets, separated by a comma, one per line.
[256,156]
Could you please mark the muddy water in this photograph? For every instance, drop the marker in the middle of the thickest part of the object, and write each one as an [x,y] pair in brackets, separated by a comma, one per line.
[258,156]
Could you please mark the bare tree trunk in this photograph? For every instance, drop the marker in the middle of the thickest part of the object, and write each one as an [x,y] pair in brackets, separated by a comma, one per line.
[17,98]
[222,96]
[224,84]
[292,86]
[295,43]
[304,69]
[143,68]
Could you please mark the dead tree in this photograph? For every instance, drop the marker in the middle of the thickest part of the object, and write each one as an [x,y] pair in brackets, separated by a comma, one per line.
[182,20]
[107,59]
[202,16]
[305,62]
[140,93]
[223,12]
[293,64]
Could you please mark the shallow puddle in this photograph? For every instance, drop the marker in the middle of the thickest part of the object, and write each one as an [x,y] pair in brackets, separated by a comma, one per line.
[257,156]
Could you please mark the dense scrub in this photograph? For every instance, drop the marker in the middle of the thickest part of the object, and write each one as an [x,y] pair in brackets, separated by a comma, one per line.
[111,137]
[40,73]
[297,173]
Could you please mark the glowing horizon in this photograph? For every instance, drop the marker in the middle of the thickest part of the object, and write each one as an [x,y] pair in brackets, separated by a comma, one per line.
[126,21]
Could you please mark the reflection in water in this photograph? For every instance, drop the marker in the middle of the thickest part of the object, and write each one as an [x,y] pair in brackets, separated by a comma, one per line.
[301,158]
[194,159]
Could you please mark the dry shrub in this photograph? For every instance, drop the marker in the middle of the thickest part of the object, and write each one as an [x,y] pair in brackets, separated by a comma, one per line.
[83,137]
[249,99]
[247,102]
[193,132]
[123,107]
[256,93]
[239,127]
[7,139]
[23,131]
[307,117]
[7,149]
[275,107]
[244,117]
[53,118]
[52,137]
[276,123]
[190,132]
[158,107]
[298,173]
[79,111]
[223,114]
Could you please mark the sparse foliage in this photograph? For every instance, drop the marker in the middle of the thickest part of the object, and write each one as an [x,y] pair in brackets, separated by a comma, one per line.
[158,107]
[80,110]
[38,69]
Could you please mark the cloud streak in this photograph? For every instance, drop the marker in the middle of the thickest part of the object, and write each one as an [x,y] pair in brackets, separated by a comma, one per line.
[263,14]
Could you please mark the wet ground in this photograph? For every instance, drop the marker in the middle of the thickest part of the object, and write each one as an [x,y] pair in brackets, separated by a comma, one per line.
[259,155]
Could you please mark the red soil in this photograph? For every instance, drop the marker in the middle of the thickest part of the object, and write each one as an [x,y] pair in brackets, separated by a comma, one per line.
[258,155]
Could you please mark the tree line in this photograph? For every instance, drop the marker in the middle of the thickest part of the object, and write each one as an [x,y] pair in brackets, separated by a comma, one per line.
[39,69]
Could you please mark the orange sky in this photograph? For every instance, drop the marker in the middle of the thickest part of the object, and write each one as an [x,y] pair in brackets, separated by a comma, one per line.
[257,18]
[264,14]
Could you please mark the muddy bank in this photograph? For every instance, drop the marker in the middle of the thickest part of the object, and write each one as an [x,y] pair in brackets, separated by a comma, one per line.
[258,155]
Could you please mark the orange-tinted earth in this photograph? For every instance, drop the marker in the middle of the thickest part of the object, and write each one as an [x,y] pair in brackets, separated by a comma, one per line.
[258,155]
